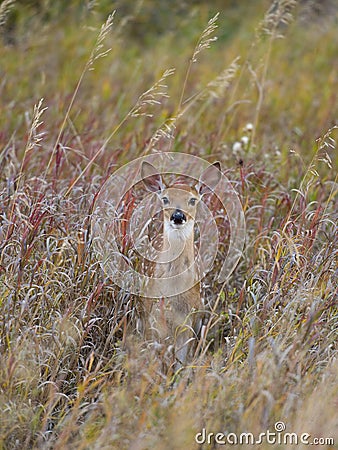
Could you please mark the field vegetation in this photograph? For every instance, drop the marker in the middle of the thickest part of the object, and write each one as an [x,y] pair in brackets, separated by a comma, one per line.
[83,91]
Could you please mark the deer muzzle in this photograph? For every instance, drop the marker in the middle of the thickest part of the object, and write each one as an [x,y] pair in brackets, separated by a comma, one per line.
[178,217]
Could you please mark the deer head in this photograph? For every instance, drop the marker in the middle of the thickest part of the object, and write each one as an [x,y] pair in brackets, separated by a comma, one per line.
[179,202]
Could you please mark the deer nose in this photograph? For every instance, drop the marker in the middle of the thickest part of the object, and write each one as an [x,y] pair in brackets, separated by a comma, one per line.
[178,217]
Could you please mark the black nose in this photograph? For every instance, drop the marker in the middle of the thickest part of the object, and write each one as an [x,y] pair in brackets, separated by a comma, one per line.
[178,217]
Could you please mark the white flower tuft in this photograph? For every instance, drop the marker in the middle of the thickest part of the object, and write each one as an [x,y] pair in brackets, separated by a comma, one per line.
[245,140]
[237,147]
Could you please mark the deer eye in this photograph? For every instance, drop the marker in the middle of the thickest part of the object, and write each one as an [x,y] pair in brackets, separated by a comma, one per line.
[165,200]
[192,201]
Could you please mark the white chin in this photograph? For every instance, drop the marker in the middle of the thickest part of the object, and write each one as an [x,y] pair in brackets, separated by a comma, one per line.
[177,226]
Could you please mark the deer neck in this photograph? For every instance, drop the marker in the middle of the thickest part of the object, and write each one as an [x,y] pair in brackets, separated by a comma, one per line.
[177,255]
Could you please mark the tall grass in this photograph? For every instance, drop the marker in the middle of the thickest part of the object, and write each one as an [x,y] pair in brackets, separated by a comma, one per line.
[74,373]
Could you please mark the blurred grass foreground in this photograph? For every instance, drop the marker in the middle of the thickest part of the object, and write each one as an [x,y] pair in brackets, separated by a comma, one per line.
[86,87]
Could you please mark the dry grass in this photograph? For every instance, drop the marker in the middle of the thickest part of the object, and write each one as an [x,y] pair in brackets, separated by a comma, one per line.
[73,372]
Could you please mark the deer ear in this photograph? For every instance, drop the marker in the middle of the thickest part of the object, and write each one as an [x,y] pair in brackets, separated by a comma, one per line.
[210,178]
[151,178]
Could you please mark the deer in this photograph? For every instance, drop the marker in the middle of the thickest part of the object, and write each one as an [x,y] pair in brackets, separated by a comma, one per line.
[175,315]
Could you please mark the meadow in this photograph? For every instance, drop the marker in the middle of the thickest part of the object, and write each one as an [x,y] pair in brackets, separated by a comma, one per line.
[85,90]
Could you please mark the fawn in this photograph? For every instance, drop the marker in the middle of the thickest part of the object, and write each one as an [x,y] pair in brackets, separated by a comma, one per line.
[175,316]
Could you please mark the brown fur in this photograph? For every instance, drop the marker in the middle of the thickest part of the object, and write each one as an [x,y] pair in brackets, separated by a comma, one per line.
[174,317]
